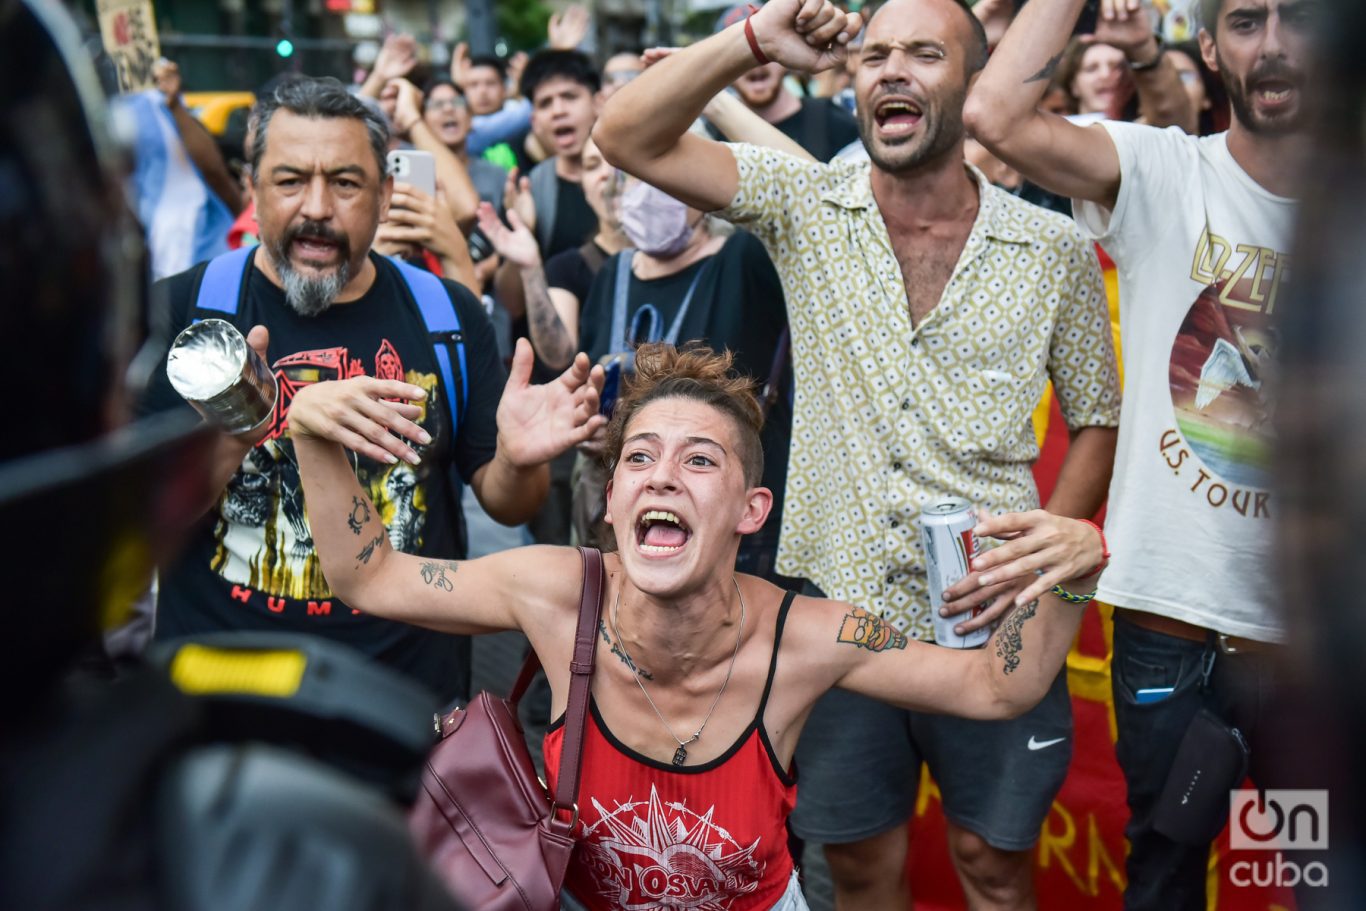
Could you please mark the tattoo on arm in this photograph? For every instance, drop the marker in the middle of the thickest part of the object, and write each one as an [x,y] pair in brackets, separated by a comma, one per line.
[360,514]
[548,333]
[1008,641]
[1048,70]
[434,573]
[864,630]
[369,549]
[621,655]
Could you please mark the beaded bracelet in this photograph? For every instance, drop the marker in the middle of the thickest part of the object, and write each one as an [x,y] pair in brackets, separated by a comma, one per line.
[1070,598]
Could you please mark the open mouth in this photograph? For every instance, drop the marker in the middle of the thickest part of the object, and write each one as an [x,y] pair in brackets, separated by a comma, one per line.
[564,136]
[896,116]
[1273,93]
[313,247]
[661,533]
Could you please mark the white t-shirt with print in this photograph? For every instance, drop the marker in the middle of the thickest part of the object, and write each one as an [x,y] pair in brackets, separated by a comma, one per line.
[1202,255]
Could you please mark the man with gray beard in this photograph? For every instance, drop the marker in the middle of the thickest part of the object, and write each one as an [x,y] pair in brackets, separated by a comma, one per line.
[328,308]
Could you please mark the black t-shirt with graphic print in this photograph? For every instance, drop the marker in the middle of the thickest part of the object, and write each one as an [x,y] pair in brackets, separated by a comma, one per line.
[250,564]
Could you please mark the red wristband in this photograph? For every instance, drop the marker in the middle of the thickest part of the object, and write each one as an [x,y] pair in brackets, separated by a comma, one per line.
[1104,549]
[754,42]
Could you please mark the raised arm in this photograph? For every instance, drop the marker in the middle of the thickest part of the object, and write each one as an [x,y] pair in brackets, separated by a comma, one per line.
[1162,101]
[552,313]
[375,418]
[454,178]
[1002,110]
[199,143]
[734,119]
[535,424]
[644,128]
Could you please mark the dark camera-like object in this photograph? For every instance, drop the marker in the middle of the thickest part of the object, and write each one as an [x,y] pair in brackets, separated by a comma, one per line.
[480,246]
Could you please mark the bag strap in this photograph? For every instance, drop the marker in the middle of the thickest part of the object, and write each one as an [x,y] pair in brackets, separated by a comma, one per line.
[221,286]
[581,672]
[677,327]
[580,677]
[620,291]
[773,389]
[443,326]
[593,256]
[545,193]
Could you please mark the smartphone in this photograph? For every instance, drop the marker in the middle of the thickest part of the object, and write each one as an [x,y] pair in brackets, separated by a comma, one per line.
[415,167]
[1152,694]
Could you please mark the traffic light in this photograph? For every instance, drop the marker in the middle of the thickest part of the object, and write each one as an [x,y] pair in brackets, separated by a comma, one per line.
[284,48]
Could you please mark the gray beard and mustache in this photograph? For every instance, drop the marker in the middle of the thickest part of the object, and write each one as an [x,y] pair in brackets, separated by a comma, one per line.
[310,295]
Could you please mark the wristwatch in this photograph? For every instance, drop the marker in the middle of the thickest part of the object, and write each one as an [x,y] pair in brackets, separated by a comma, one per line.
[1149,64]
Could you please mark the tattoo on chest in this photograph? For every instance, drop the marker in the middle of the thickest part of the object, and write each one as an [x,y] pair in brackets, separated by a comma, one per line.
[1008,641]
[621,655]
[360,514]
[864,630]
[369,549]
[434,573]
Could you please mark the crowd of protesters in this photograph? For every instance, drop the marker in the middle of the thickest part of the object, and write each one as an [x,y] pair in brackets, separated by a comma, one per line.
[891,224]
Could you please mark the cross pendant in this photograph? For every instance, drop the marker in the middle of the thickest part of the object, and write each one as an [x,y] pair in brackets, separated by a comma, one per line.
[680,755]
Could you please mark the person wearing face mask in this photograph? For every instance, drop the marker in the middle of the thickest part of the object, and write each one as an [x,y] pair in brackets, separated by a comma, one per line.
[688,277]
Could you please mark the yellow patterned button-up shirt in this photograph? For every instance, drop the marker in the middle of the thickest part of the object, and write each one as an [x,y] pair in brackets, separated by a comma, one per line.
[890,416]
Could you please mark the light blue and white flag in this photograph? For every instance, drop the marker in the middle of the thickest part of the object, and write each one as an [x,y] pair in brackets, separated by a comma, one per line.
[185,222]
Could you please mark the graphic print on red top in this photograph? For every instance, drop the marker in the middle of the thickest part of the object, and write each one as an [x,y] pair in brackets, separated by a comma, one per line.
[711,837]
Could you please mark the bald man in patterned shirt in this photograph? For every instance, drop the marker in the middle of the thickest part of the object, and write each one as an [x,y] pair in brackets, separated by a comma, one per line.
[928,312]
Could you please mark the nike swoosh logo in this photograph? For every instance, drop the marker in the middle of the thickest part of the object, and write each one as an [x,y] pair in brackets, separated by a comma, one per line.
[1043,744]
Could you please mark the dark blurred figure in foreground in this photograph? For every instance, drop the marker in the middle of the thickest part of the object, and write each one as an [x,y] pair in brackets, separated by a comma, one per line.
[1321,428]
[130,794]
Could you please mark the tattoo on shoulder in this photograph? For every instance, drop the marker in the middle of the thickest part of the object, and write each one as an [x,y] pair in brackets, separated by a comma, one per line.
[360,514]
[434,573]
[1048,70]
[621,655]
[369,549]
[1008,640]
[864,630]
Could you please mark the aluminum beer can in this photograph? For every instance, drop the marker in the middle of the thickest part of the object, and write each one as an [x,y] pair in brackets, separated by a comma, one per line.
[214,369]
[946,531]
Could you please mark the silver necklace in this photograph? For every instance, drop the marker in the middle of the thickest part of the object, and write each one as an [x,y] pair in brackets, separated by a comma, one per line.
[680,754]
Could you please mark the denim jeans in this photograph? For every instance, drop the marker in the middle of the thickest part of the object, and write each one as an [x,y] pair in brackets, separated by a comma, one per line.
[1163,874]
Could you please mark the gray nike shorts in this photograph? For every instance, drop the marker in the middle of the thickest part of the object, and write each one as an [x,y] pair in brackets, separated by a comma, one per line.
[858,766]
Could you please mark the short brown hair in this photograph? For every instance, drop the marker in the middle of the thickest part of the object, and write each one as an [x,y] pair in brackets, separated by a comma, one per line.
[698,373]
[1209,15]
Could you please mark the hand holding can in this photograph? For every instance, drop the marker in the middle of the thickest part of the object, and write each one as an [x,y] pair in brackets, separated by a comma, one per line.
[950,547]
[214,369]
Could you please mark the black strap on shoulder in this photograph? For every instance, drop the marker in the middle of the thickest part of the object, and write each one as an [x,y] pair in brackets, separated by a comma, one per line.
[593,256]
[773,662]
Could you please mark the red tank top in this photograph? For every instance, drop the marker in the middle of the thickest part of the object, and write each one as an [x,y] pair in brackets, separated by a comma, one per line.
[711,837]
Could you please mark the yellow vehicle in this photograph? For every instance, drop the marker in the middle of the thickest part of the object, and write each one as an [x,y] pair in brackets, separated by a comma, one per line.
[215,108]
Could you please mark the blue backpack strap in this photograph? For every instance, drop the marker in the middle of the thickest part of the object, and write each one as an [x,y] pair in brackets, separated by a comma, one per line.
[220,288]
[443,324]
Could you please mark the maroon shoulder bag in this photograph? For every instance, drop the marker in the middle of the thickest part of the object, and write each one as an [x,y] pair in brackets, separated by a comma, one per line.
[483,819]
